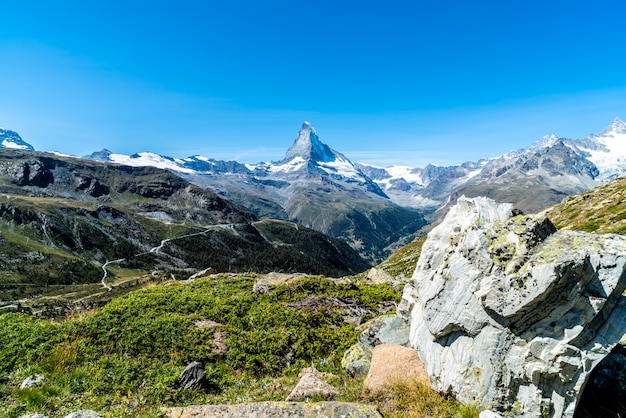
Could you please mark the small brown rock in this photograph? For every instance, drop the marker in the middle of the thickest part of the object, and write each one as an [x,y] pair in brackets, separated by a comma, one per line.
[393,364]
[310,385]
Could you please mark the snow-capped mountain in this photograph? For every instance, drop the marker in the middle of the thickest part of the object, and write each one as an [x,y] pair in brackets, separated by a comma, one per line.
[532,177]
[308,147]
[142,159]
[606,151]
[373,207]
[189,165]
[424,188]
[317,186]
[10,139]
[308,156]
[313,185]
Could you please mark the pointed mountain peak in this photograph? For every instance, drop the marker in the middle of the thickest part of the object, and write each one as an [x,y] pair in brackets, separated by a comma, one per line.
[309,147]
[542,143]
[616,127]
[10,139]
[546,141]
[103,155]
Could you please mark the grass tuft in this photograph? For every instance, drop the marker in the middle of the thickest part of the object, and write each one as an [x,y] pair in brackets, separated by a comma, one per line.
[405,399]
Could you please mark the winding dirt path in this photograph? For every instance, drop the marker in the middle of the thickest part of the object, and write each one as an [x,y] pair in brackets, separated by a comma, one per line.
[104,269]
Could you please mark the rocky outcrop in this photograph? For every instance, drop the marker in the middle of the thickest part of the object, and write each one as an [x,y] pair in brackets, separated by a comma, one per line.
[277,410]
[507,312]
[271,281]
[193,377]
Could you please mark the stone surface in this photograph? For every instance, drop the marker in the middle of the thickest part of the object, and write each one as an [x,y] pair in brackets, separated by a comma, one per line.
[270,281]
[311,385]
[386,329]
[194,376]
[32,381]
[85,413]
[378,276]
[508,312]
[277,410]
[393,364]
[34,416]
[356,360]
[489,414]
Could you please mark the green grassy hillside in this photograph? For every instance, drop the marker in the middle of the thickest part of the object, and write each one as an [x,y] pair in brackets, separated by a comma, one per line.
[62,219]
[601,210]
[123,359]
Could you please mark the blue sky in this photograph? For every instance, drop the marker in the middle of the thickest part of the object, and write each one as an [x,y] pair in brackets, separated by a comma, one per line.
[405,82]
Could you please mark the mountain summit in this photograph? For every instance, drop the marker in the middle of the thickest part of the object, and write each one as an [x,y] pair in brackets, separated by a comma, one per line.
[309,147]
[616,127]
[10,139]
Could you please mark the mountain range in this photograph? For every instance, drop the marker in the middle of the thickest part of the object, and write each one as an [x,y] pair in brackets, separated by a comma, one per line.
[314,186]
[532,178]
[377,209]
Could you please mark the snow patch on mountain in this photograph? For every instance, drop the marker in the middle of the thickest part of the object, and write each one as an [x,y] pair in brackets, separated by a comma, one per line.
[295,164]
[410,174]
[341,167]
[198,158]
[150,159]
[542,143]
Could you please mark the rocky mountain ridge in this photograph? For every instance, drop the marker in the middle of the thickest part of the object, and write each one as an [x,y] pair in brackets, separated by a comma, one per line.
[552,167]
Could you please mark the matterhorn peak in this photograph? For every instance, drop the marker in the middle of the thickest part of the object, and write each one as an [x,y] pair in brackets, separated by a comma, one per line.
[616,127]
[309,147]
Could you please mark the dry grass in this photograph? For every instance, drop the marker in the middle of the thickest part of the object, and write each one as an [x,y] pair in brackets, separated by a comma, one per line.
[417,400]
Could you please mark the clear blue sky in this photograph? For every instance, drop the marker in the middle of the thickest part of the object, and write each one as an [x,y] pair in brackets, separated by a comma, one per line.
[406,82]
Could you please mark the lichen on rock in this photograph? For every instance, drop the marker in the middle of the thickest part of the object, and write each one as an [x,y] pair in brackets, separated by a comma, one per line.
[385,329]
[508,312]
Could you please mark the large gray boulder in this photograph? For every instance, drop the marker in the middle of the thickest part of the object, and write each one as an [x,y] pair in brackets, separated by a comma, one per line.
[507,312]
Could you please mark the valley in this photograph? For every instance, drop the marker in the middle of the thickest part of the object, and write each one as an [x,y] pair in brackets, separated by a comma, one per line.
[107,269]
